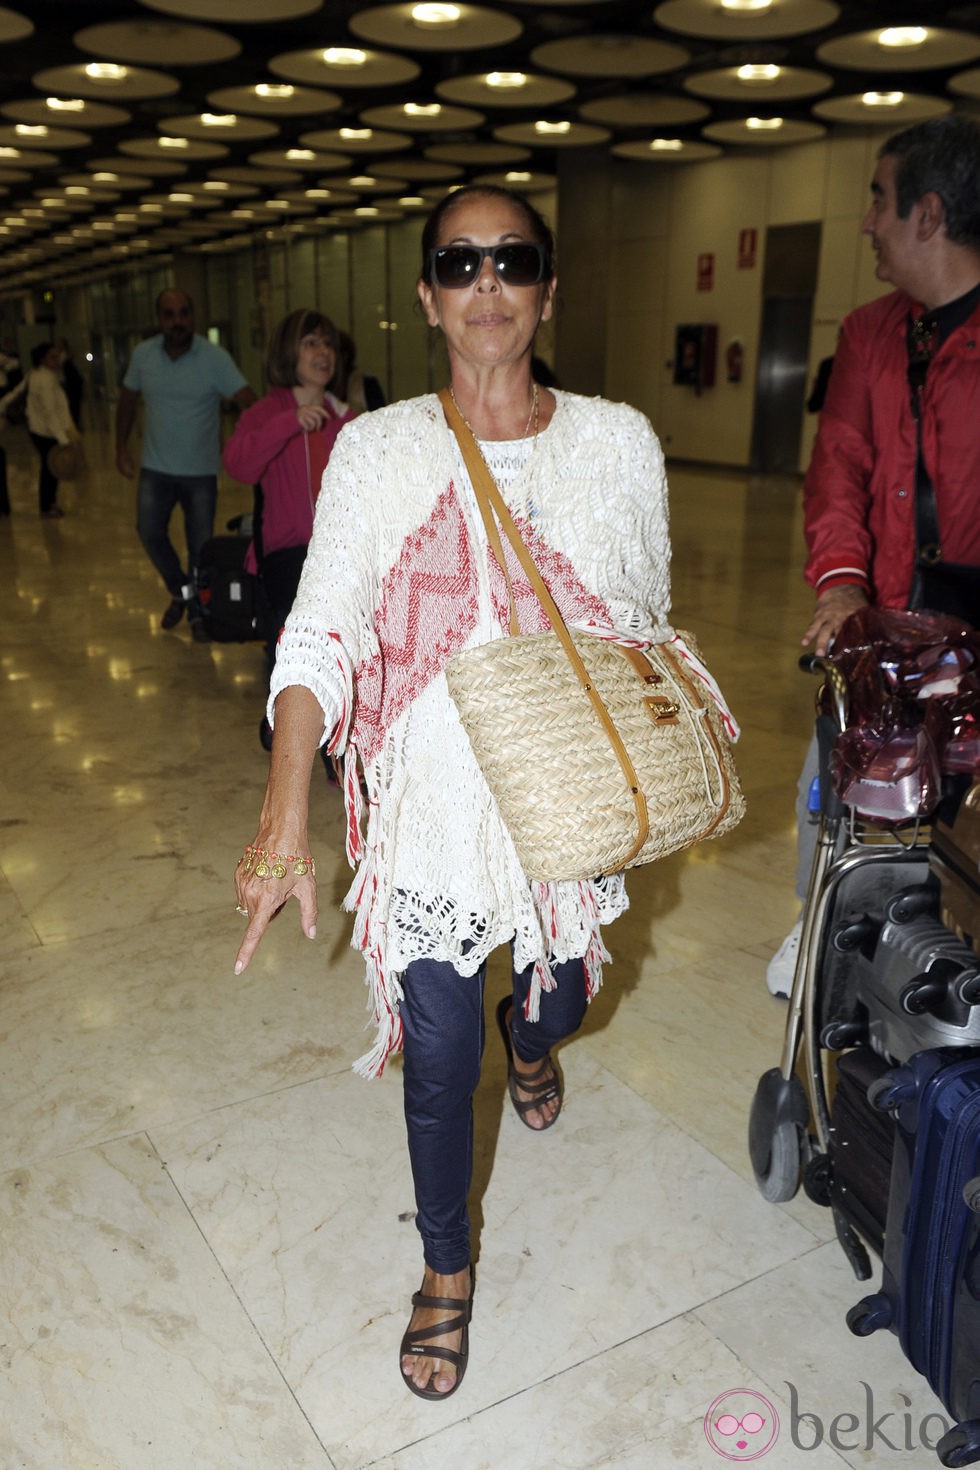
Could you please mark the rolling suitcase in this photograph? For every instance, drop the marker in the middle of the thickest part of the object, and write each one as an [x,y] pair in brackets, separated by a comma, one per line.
[230,597]
[930,1291]
[860,1147]
[914,984]
[955,858]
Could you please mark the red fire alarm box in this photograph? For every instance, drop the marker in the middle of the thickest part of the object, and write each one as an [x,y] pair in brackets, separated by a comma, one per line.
[695,354]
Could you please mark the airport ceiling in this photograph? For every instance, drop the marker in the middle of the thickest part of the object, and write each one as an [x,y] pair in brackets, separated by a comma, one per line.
[130,127]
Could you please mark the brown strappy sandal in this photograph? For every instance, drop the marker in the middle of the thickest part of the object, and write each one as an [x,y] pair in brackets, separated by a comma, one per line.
[543,1088]
[416,1342]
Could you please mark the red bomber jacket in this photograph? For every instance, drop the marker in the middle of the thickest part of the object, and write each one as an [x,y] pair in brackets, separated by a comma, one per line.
[858,496]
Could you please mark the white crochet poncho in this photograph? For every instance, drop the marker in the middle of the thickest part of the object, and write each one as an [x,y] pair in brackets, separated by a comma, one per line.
[398,577]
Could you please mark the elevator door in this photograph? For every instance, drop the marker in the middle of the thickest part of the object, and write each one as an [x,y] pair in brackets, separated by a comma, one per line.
[789,283]
[781,385]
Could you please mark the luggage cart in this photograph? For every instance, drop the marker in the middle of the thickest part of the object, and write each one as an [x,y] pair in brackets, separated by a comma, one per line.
[856,866]
[875,1105]
[876,967]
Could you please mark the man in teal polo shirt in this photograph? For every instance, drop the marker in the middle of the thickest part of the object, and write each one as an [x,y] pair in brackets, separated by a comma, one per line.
[182,379]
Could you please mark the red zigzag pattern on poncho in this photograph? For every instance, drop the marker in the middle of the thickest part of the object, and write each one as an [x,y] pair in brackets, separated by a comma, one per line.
[429,605]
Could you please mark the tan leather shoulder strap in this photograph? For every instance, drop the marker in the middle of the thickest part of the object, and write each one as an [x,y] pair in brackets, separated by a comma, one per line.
[481,480]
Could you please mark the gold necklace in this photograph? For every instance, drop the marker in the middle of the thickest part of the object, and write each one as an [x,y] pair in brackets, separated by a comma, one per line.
[533,415]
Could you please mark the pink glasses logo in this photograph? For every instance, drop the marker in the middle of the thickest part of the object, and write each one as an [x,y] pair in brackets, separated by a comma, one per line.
[741,1425]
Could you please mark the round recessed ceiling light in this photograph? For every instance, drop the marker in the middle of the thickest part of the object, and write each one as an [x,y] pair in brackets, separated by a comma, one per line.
[436,15]
[898,36]
[753,73]
[344,56]
[347,66]
[106,71]
[882,99]
[913,48]
[439,26]
[719,22]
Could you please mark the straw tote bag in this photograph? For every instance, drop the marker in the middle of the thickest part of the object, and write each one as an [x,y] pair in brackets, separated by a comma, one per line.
[599,756]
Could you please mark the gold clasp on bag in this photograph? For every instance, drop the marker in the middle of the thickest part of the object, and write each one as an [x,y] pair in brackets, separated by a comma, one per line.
[662,711]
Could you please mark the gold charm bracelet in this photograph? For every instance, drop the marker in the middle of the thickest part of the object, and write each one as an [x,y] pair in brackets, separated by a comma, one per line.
[266,864]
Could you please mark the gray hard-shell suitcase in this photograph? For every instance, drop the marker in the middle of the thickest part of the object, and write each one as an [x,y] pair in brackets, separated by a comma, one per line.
[914,984]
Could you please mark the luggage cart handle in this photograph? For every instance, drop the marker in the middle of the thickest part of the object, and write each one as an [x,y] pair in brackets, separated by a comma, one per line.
[812,663]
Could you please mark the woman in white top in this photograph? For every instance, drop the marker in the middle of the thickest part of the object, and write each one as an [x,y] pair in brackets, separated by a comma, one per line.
[398,577]
[49,420]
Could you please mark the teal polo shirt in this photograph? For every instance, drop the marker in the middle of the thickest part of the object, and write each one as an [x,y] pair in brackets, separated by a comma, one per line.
[182,403]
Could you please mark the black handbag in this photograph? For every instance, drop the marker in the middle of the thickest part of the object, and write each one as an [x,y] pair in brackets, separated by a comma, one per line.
[947,587]
[943,586]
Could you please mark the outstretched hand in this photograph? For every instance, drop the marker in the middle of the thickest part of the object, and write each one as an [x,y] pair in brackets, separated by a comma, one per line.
[264,883]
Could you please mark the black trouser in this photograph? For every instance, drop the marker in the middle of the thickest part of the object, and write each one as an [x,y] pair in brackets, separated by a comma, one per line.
[47,485]
[279,574]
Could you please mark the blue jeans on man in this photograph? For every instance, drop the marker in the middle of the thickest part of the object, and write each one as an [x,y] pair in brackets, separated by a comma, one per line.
[158,496]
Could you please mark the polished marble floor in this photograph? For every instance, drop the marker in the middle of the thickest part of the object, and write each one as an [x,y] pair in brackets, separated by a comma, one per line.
[206,1233]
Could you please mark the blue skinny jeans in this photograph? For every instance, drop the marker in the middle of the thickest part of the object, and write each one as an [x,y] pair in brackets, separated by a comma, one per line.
[444,1035]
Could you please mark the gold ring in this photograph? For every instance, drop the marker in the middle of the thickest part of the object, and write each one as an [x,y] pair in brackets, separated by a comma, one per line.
[243,912]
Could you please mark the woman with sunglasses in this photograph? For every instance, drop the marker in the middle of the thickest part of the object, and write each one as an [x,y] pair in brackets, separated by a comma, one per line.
[398,578]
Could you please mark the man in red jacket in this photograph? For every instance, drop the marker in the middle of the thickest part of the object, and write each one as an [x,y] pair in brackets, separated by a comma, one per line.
[859,493]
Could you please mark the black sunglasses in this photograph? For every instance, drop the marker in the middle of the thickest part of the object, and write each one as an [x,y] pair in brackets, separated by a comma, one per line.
[519,264]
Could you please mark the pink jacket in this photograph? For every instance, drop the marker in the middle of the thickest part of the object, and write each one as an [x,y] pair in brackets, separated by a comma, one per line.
[859,490]
[268,447]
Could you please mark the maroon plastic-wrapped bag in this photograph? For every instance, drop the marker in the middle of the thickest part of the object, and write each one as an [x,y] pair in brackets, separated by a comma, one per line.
[913,683]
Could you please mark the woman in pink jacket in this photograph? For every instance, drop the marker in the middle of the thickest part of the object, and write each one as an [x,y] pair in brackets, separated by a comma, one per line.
[282,444]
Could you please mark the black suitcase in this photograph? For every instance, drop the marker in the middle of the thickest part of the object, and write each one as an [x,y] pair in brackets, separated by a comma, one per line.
[230,597]
[860,1146]
[930,1291]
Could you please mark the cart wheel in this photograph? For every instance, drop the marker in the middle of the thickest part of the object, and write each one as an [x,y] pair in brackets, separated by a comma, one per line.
[891,1091]
[778,1115]
[816,1179]
[961,1446]
[781,1179]
[920,901]
[839,1035]
[870,1313]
